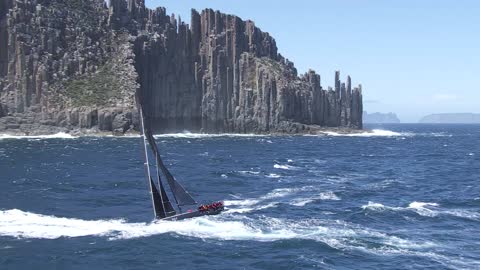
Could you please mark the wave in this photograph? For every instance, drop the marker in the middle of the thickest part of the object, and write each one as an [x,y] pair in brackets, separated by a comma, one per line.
[284,167]
[424,209]
[264,140]
[274,194]
[373,133]
[253,204]
[241,202]
[270,199]
[248,172]
[376,206]
[322,196]
[386,133]
[60,135]
[243,210]
[337,234]
[450,262]
[190,135]
[124,136]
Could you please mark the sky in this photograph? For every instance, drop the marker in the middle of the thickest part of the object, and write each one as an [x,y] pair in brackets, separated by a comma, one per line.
[412,57]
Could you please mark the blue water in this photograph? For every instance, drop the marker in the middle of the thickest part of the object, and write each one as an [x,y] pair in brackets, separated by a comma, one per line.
[407,197]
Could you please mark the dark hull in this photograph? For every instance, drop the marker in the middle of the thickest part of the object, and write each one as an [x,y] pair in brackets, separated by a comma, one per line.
[193,214]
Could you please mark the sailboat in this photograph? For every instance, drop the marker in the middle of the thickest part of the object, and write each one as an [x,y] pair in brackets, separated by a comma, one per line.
[163,207]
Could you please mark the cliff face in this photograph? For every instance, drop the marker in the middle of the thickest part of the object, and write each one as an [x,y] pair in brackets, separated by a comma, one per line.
[78,64]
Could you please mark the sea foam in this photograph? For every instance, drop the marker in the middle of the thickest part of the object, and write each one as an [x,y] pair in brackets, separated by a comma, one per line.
[284,167]
[20,224]
[425,209]
[337,234]
[60,135]
[190,135]
[324,196]
[373,133]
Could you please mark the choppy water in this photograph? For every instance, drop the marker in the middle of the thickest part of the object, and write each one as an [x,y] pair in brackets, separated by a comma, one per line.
[406,197]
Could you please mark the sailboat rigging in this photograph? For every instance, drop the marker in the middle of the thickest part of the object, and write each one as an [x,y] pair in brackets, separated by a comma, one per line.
[162,206]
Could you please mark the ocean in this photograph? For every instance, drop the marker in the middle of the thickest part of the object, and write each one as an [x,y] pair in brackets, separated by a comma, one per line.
[403,197]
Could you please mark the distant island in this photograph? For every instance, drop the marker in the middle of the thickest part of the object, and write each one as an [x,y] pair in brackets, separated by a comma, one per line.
[380,118]
[79,65]
[451,118]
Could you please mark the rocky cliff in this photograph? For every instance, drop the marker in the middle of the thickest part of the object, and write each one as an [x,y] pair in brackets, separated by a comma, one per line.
[78,64]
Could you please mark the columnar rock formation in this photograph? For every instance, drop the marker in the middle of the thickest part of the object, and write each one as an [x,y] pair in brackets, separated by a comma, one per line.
[79,63]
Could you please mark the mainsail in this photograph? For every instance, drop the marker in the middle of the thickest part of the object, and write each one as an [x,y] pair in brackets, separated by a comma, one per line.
[181,195]
[161,203]
[162,206]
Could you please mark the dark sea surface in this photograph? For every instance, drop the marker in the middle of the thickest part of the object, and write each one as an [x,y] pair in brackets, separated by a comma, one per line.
[404,197]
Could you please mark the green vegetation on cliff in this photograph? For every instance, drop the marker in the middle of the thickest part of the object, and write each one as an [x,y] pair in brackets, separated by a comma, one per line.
[94,89]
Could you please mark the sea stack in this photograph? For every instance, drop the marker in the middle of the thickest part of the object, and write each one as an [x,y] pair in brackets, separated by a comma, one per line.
[79,64]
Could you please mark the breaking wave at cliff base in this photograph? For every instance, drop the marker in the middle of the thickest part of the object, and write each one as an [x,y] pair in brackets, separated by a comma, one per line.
[60,135]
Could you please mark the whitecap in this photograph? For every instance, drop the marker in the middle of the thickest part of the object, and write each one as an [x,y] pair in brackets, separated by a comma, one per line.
[60,135]
[254,204]
[250,209]
[284,167]
[373,133]
[190,135]
[20,224]
[417,205]
[241,202]
[421,208]
[373,206]
[302,202]
[264,140]
[462,214]
[425,209]
[330,196]
[273,175]
[248,172]
[337,234]
[284,192]
[124,136]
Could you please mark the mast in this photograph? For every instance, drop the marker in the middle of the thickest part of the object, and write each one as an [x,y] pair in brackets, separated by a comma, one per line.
[146,165]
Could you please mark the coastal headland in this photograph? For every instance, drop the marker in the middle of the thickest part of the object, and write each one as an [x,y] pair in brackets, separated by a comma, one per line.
[77,66]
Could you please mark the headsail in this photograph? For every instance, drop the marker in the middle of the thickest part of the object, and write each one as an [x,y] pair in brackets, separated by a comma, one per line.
[181,195]
[162,206]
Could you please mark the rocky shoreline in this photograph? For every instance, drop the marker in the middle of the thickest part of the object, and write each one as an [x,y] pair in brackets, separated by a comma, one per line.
[84,65]
[44,130]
